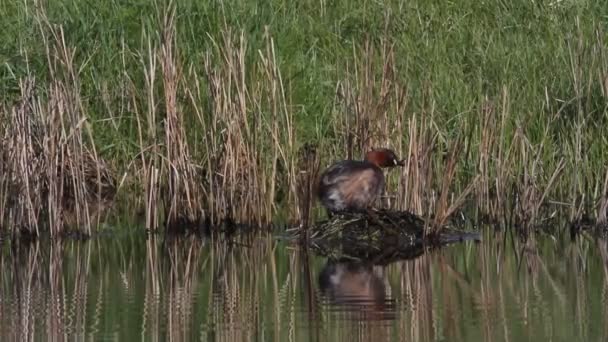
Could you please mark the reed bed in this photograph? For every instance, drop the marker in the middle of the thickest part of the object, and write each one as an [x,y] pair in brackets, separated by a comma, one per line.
[49,174]
[243,126]
[201,113]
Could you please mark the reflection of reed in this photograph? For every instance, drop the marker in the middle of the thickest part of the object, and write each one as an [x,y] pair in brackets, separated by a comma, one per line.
[172,275]
[452,310]
[38,305]
[55,317]
[79,291]
[417,297]
[152,310]
[184,258]
[490,293]
[540,292]
[229,304]
[577,271]
[486,299]
[502,289]
[310,294]
[602,246]
[240,272]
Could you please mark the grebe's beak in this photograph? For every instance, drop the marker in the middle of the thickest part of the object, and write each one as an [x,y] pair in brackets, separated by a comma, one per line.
[399,162]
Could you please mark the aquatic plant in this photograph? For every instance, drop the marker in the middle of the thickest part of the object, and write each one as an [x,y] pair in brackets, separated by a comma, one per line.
[48,167]
[201,111]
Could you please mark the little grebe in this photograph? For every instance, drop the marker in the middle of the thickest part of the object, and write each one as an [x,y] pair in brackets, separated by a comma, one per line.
[353,185]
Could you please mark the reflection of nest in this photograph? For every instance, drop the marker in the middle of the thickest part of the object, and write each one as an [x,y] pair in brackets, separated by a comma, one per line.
[379,235]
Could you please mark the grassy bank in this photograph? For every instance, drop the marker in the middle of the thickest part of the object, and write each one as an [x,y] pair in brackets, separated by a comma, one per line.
[220,109]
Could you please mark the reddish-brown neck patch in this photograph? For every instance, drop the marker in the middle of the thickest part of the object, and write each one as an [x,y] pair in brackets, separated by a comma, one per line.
[380,158]
[383,157]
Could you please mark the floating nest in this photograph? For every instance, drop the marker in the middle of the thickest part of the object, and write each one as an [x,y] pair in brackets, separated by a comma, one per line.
[380,236]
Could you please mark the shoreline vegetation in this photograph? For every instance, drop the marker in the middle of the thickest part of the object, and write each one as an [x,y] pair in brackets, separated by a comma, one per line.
[202,112]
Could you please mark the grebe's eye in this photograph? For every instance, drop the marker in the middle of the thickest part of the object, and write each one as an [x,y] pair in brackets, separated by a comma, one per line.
[395,161]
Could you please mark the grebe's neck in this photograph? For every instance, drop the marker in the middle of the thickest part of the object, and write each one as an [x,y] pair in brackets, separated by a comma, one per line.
[377,157]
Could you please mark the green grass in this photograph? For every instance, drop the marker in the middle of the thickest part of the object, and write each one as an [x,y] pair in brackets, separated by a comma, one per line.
[453,58]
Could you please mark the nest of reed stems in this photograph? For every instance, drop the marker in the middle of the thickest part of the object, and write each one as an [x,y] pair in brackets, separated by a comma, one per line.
[381,235]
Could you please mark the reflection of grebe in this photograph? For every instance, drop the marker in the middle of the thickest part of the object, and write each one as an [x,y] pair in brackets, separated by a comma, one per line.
[358,288]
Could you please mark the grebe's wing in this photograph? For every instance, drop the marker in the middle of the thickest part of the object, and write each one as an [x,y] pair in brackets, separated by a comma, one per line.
[343,170]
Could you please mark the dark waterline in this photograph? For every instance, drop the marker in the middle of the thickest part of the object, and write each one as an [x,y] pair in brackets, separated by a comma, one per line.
[259,288]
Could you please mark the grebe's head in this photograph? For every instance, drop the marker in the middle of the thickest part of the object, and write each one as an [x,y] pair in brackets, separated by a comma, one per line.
[383,157]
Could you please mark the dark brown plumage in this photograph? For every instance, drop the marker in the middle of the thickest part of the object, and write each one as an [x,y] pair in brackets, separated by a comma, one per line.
[352,185]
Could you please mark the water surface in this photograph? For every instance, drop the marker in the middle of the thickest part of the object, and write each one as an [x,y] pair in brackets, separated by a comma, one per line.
[258,288]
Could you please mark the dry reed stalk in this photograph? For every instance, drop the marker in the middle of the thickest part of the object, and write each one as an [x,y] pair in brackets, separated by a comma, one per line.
[373,103]
[169,172]
[52,169]
[495,158]
[503,161]
[183,186]
[531,190]
[308,167]
[170,178]
[415,186]
[5,182]
[76,174]
[50,173]
[149,141]
[487,142]
[233,168]
[602,215]
[268,95]
[443,210]
[22,164]
[248,131]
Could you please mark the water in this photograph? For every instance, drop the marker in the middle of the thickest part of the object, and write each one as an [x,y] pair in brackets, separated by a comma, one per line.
[131,288]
